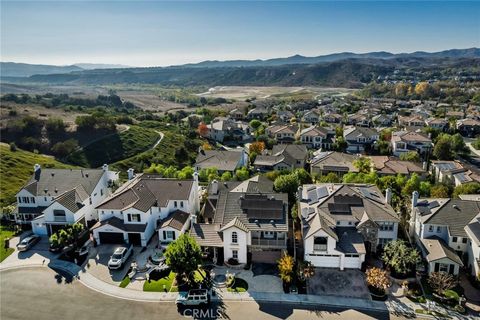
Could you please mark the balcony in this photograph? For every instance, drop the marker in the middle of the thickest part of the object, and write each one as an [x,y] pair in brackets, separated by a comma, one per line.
[272,243]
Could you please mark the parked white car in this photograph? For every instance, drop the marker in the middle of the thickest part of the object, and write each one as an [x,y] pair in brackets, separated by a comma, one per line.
[119,257]
[196,297]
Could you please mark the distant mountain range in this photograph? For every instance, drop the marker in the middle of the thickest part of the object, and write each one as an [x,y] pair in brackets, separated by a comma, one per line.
[340,69]
[13,69]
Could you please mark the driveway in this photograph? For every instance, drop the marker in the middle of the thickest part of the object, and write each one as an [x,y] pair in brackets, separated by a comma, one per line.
[38,253]
[97,264]
[333,282]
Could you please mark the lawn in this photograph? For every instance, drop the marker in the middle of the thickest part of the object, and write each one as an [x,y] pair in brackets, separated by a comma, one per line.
[17,167]
[239,285]
[115,147]
[157,285]
[4,233]
[199,275]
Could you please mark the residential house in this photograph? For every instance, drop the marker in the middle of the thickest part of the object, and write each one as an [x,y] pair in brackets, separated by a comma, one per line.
[327,162]
[411,121]
[454,172]
[468,127]
[359,119]
[316,137]
[385,165]
[243,219]
[342,223]
[283,133]
[437,123]
[382,120]
[312,117]
[282,157]
[144,204]
[284,116]
[359,139]
[472,229]
[224,129]
[333,118]
[457,115]
[222,160]
[237,114]
[405,141]
[55,198]
[258,113]
[438,227]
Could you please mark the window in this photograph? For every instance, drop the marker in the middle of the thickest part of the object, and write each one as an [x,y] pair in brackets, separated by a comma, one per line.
[234,237]
[45,199]
[386,226]
[235,254]
[443,267]
[430,228]
[170,235]
[19,199]
[33,200]
[464,240]
[181,204]
[454,239]
[59,216]
[269,234]
[101,192]
[439,229]
[320,243]
[26,200]
[90,200]
[175,204]
[134,217]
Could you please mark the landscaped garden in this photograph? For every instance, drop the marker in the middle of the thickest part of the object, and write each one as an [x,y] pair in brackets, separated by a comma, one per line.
[160,281]
[237,285]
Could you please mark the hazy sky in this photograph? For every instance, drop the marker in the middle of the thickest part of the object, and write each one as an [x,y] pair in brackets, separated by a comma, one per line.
[164,33]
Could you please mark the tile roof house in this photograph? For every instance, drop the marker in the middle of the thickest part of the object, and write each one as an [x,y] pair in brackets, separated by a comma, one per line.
[405,141]
[359,139]
[327,162]
[411,121]
[225,129]
[468,127]
[283,133]
[473,251]
[437,123]
[443,223]
[247,217]
[282,157]
[222,160]
[385,165]
[312,117]
[341,223]
[144,204]
[54,198]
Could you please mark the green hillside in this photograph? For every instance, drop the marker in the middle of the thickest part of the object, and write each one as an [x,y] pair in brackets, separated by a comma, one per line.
[114,147]
[17,167]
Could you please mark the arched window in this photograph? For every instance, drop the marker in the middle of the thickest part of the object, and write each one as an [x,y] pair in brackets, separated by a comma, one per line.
[234,237]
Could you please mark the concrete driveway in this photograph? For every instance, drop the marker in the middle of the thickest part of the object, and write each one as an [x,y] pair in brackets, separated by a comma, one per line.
[334,282]
[97,264]
[39,252]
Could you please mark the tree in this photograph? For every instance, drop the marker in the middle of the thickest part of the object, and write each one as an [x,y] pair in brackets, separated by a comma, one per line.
[410,156]
[202,129]
[439,191]
[255,124]
[256,147]
[399,257]
[226,176]
[378,278]
[467,188]
[412,184]
[242,174]
[55,126]
[285,268]
[13,147]
[441,282]
[425,188]
[287,183]
[185,173]
[183,255]
[443,149]
[63,149]
[363,164]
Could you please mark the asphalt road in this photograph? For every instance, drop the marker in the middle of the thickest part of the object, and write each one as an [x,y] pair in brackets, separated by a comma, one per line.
[41,293]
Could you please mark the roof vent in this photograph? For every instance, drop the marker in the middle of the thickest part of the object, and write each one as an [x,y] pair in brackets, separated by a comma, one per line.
[56,190]
[53,173]
[256,221]
[272,222]
[455,206]
[86,175]
[45,190]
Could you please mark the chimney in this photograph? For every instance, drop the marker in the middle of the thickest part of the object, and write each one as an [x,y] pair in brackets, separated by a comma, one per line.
[299,193]
[425,165]
[130,174]
[36,167]
[388,196]
[105,167]
[214,187]
[36,171]
[195,176]
[414,199]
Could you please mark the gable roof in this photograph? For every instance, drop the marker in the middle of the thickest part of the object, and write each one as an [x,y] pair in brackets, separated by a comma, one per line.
[353,132]
[55,182]
[437,249]
[391,165]
[147,191]
[235,222]
[119,224]
[223,160]
[335,161]
[175,220]
[207,235]
[73,199]
[454,213]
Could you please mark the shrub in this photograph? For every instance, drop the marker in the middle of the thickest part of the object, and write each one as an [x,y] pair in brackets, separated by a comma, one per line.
[233,261]
[13,147]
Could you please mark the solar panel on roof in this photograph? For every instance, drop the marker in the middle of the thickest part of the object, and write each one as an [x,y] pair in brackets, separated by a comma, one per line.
[347,199]
[322,192]
[433,204]
[338,208]
[312,196]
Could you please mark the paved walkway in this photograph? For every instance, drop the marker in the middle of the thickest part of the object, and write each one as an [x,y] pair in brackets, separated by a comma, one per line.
[260,283]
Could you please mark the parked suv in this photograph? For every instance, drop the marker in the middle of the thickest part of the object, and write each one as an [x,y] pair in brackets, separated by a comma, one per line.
[196,297]
[28,242]
[119,257]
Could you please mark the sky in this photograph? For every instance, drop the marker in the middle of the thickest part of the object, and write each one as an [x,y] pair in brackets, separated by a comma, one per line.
[157,33]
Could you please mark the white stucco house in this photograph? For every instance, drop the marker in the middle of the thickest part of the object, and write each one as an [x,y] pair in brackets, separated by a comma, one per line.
[341,223]
[243,221]
[443,226]
[54,198]
[145,204]
[405,141]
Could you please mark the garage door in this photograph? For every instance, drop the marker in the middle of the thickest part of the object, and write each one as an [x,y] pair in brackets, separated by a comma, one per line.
[135,239]
[266,256]
[111,237]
